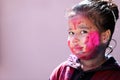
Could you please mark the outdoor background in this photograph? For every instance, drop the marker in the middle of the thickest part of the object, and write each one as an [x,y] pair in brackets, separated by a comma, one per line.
[33,38]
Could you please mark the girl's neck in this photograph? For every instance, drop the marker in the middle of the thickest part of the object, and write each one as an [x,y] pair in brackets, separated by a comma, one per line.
[93,63]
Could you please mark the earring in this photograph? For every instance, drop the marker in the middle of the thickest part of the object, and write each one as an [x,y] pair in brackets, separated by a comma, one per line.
[109,50]
[111,46]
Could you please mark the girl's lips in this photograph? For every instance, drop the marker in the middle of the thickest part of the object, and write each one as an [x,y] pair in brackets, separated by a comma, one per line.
[78,47]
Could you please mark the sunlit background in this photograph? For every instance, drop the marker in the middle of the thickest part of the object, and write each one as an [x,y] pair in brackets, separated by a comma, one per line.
[33,38]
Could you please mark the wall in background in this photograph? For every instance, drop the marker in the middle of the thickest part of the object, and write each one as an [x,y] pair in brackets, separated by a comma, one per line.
[33,38]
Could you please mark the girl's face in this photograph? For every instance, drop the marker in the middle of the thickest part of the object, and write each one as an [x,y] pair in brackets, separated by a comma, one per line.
[83,37]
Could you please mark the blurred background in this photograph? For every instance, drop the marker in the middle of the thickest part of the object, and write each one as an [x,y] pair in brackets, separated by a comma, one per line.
[33,38]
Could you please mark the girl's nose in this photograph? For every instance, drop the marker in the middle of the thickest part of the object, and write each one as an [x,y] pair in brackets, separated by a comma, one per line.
[76,39]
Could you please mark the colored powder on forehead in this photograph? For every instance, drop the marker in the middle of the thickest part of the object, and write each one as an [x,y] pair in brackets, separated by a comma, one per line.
[74,22]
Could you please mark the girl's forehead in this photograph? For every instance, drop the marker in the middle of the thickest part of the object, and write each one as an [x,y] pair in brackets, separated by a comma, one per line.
[79,19]
[76,18]
[80,22]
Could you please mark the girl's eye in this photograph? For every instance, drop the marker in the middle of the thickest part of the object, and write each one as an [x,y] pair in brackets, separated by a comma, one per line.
[71,33]
[84,32]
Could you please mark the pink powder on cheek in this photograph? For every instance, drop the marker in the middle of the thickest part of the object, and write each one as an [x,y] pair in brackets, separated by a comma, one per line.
[93,40]
[69,45]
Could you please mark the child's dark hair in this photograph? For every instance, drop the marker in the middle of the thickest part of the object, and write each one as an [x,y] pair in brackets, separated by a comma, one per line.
[103,14]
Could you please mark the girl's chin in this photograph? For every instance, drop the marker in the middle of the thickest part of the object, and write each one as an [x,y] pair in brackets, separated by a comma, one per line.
[78,52]
[81,55]
[84,56]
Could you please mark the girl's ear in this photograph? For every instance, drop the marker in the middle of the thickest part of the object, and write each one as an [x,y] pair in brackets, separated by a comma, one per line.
[105,36]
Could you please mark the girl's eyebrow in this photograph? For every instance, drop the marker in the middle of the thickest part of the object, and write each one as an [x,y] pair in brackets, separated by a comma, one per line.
[81,27]
[84,27]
